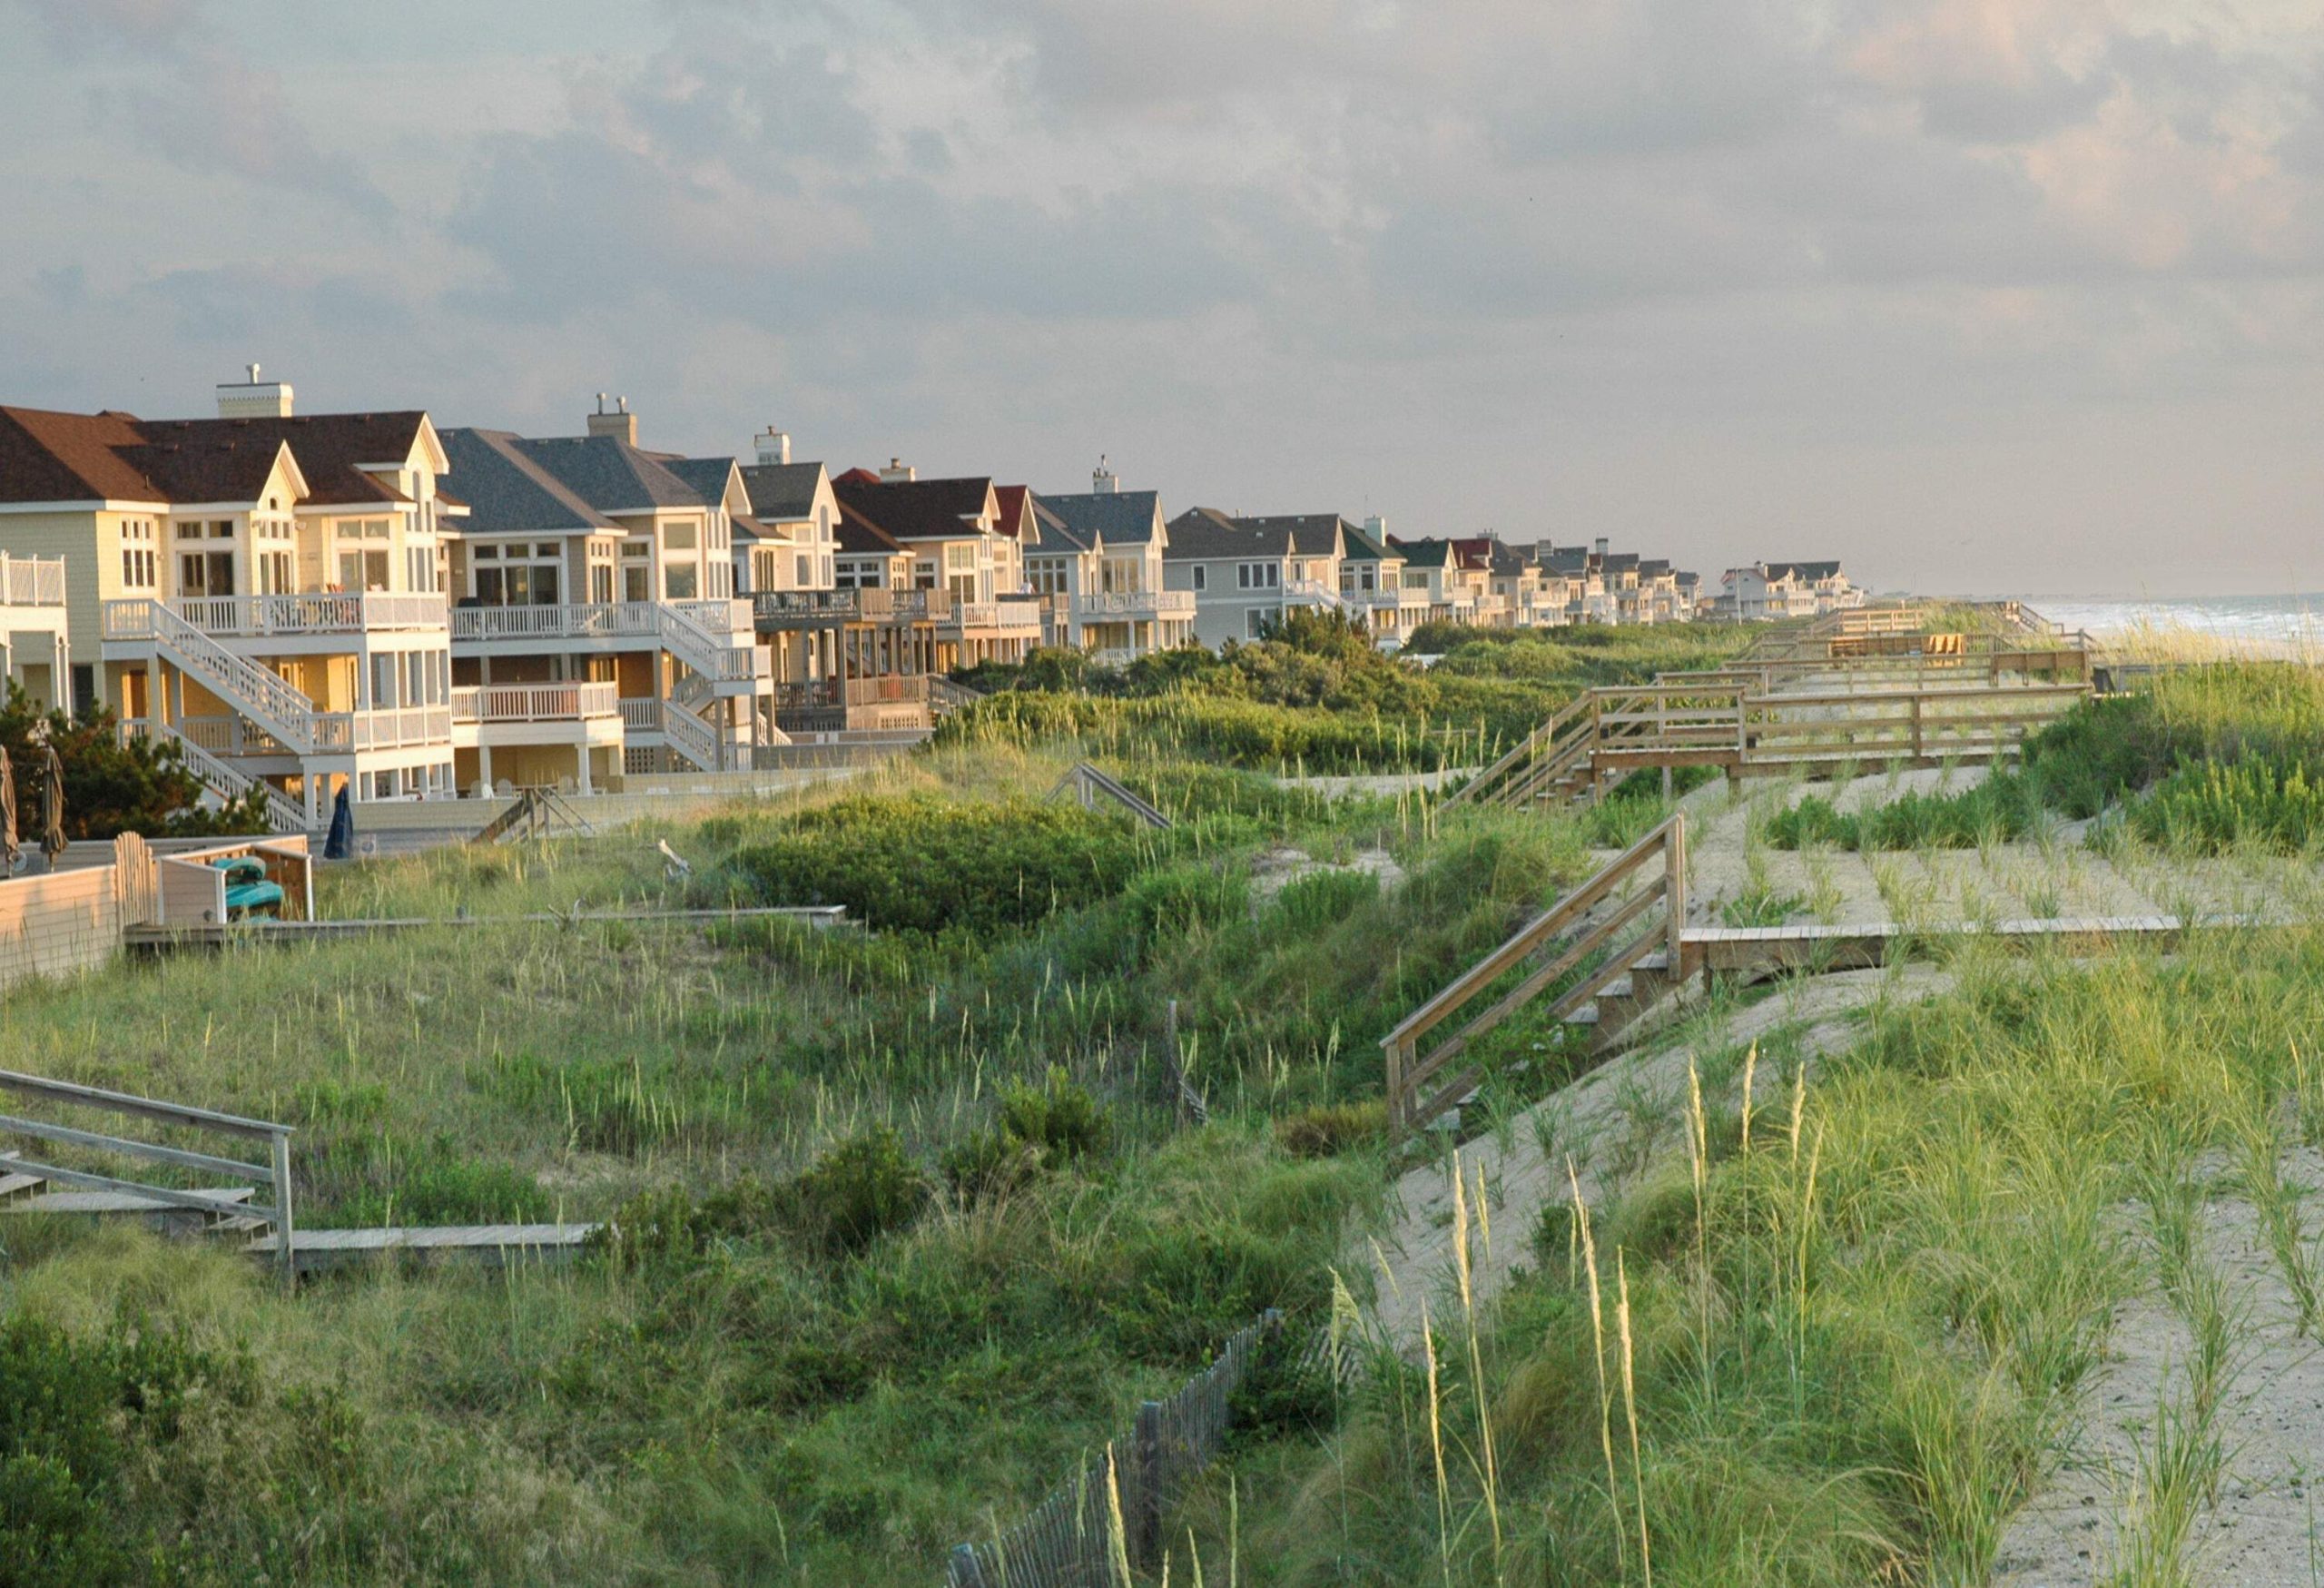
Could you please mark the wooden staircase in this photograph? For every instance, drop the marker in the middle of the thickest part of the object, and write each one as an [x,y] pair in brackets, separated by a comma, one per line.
[1608,972]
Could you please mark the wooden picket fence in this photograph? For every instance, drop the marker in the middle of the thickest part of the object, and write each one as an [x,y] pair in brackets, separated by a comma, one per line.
[1112,1511]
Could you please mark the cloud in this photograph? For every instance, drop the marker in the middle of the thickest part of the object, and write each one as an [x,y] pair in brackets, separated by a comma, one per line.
[79,30]
[217,115]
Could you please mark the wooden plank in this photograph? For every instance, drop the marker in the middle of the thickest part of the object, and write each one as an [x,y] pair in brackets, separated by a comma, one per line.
[118,1196]
[144,1108]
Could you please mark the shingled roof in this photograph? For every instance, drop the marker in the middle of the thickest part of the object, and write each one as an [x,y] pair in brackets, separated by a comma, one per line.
[507,489]
[1199,534]
[782,490]
[611,475]
[51,457]
[332,450]
[1129,517]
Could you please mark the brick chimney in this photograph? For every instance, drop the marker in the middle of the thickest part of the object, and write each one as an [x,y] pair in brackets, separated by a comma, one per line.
[253,399]
[620,423]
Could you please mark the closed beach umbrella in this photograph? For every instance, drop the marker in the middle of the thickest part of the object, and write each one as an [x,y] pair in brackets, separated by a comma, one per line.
[52,803]
[338,843]
[9,851]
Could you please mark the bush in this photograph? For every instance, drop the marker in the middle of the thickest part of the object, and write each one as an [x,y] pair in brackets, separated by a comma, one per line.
[1038,1129]
[919,863]
[2208,809]
[1177,898]
[1280,1395]
[858,1191]
[1331,1128]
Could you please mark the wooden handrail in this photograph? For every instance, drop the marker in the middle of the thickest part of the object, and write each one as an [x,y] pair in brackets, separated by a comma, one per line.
[1407,1070]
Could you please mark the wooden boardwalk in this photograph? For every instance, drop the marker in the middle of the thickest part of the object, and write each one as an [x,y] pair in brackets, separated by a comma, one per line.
[819,916]
[1749,951]
[493,1245]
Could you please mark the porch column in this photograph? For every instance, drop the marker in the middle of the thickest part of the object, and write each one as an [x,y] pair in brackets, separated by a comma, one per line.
[583,781]
[483,766]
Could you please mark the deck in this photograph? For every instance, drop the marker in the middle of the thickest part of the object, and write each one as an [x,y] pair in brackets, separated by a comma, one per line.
[493,1245]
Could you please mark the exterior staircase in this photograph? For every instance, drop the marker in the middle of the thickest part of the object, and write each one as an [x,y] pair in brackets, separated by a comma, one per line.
[263,696]
[231,784]
[728,669]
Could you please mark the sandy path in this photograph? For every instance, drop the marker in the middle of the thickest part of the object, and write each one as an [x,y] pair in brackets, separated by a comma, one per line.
[2262,1526]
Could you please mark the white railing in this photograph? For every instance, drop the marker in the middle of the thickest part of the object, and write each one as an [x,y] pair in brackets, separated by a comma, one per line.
[713,656]
[642,712]
[1134,603]
[726,654]
[533,702]
[319,613]
[691,736]
[31,581]
[229,783]
[389,727]
[1313,592]
[731,615]
[997,613]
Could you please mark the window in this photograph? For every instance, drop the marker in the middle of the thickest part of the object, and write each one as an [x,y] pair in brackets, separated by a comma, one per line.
[679,582]
[959,558]
[274,575]
[806,574]
[923,574]
[1258,576]
[205,573]
[1201,583]
[679,537]
[601,583]
[84,686]
[137,555]
[1259,619]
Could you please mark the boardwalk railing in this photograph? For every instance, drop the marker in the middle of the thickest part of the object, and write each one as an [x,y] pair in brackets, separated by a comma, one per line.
[1119,1502]
[274,1172]
[1420,1088]
[1090,784]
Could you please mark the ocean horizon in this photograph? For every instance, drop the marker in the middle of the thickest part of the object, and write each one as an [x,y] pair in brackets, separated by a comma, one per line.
[2271,620]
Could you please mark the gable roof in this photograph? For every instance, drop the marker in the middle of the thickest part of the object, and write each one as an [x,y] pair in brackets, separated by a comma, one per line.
[1311,534]
[1360,547]
[1052,534]
[1129,517]
[507,489]
[331,448]
[1201,533]
[51,457]
[1810,571]
[1013,515]
[708,477]
[924,509]
[611,475]
[857,536]
[782,490]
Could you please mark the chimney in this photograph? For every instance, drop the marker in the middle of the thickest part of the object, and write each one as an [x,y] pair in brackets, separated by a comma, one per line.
[251,399]
[1103,481]
[897,472]
[775,447]
[1601,546]
[1376,526]
[620,423]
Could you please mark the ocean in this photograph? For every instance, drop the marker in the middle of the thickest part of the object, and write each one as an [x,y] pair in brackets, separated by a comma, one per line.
[2268,622]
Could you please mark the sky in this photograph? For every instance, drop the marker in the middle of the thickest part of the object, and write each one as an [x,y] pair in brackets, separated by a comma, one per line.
[1995,296]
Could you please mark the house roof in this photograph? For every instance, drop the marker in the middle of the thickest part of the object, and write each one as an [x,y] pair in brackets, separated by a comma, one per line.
[1052,534]
[48,456]
[1129,517]
[1434,553]
[1013,516]
[331,448]
[1810,571]
[782,490]
[858,536]
[707,476]
[1507,560]
[1311,534]
[1202,533]
[611,475]
[1361,547]
[924,509]
[507,489]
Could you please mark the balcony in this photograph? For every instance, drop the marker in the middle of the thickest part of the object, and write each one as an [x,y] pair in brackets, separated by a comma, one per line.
[1099,605]
[1024,613]
[299,617]
[774,609]
[637,620]
[31,581]
[535,702]
[336,733]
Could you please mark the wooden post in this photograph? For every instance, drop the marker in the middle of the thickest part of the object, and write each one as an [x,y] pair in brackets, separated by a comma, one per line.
[1674,886]
[1917,754]
[280,1145]
[1146,1525]
[1396,1088]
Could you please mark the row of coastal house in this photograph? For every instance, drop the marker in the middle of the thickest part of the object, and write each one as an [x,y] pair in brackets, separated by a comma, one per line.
[304,603]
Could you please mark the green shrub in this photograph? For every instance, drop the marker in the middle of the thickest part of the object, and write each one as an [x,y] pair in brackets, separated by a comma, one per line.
[2210,808]
[919,863]
[861,1189]
[1177,898]
[1314,903]
[1331,1128]
[1038,1129]
[1280,1395]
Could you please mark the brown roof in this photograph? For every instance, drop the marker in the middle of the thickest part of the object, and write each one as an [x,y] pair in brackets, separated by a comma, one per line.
[67,457]
[924,509]
[328,446]
[47,457]
[1014,518]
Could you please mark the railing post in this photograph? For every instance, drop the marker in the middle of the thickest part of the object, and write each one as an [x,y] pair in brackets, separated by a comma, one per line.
[1145,1526]
[1917,752]
[1398,1057]
[280,1145]
[1674,886]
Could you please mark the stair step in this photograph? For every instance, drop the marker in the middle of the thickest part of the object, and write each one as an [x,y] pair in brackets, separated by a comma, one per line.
[1658,961]
[1587,1015]
[1619,987]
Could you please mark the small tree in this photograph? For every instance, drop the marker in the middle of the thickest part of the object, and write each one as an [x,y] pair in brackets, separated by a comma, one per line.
[112,785]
